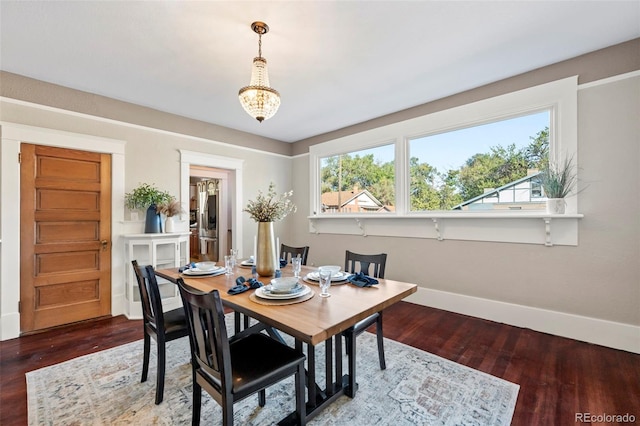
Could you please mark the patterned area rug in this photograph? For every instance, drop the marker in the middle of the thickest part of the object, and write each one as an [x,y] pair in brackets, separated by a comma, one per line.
[417,388]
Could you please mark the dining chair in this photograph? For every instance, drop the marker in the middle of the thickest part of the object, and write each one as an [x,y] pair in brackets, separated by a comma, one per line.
[365,262]
[287,252]
[231,369]
[161,326]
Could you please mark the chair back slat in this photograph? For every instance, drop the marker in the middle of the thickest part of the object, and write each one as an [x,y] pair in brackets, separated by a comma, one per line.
[364,261]
[287,252]
[208,333]
[149,294]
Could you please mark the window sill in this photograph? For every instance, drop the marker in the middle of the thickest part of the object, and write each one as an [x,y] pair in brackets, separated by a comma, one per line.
[509,227]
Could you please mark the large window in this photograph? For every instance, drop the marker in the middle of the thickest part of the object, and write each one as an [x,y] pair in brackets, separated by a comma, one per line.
[468,172]
[493,166]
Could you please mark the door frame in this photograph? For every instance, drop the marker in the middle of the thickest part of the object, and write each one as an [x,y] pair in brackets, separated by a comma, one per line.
[12,136]
[234,166]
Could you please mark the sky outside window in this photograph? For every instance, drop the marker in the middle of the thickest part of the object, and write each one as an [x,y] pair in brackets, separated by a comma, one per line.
[446,151]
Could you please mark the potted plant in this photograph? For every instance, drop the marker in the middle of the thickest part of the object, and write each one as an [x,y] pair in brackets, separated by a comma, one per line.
[558,181]
[265,210]
[169,209]
[148,197]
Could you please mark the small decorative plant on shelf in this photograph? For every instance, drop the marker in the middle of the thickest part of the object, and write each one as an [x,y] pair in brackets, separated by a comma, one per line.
[148,197]
[558,181]
[170,209]
[265,210]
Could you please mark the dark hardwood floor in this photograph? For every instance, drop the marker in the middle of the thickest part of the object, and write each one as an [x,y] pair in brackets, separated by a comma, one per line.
[558,377]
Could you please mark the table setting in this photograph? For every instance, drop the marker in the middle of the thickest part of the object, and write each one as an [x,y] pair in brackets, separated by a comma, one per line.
[280,291]
[202,269]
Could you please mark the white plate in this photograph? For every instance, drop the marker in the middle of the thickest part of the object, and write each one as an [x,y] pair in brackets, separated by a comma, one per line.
[269,289]
[264,294]
[196,272]
[340,276]
[246,263]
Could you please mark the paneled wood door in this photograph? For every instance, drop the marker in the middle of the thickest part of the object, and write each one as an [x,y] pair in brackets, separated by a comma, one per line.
[65,250]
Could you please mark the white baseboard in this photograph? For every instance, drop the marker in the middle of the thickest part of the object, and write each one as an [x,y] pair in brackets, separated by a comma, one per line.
[10,326]
[118,304]
[606,333]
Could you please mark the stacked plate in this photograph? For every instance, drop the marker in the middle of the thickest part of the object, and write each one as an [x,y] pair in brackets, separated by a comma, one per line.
[248,263]
[209,272]
[335,278]
[269,292]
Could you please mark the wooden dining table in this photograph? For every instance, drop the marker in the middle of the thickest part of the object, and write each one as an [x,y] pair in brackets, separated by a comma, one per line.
[310,322]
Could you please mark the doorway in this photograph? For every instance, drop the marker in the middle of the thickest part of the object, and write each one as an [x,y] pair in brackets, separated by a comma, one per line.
[233,168]
[209,212]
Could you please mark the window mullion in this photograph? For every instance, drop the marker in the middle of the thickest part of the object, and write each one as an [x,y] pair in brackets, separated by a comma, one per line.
[402,175]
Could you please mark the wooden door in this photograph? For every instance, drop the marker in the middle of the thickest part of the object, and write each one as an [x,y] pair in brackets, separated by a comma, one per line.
[65,250]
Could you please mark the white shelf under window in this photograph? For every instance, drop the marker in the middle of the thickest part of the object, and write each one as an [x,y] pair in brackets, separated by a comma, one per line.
[513,227]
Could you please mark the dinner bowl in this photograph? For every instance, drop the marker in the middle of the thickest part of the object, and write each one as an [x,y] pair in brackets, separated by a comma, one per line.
[205,266]
[284,283]
[333,268]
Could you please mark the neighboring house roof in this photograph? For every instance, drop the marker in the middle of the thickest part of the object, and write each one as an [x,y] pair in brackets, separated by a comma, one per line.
[350,198]
[495,192]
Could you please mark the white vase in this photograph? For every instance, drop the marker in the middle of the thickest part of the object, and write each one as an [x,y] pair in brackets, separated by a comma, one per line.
[555,205]
[168,225]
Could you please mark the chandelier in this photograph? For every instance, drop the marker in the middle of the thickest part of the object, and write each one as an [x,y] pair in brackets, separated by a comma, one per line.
[258,98]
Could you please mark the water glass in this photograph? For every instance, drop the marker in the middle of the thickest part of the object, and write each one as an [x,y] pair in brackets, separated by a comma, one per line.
[325,281]
[234,257]
[296,264]
[228,265]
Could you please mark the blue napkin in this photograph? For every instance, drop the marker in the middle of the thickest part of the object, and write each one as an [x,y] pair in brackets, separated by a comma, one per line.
[361,280]
[283,263]
[185,267]
[243,285]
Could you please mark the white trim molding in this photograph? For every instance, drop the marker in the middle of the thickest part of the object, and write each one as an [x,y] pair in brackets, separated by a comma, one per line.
[235,165]
[593,330]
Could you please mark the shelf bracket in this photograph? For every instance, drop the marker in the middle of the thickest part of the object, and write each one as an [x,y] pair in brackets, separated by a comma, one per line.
[436,225]
[312,222]
[547,232]
[361,226]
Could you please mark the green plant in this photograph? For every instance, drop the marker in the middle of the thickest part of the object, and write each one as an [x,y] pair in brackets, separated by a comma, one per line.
[270,208]
[145,195]
[558,180]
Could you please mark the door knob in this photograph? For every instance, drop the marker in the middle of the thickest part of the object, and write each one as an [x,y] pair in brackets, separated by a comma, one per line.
[104,245]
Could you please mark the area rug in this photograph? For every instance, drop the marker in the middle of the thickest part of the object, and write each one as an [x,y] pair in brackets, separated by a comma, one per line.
[417,388]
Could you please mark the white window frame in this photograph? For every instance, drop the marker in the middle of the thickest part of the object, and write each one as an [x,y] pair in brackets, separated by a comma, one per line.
[560,97]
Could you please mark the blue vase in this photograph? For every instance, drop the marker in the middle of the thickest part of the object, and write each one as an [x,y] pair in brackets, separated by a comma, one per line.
[153,222]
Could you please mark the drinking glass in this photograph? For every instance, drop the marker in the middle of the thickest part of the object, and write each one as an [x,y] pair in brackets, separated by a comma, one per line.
[325,281]
[228,265]
[296,264]
[234,257]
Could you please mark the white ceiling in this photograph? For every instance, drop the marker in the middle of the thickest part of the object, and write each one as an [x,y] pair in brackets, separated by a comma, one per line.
[335,63]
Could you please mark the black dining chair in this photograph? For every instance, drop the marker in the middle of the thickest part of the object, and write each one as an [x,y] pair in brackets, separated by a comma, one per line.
[365,262]
[231,369]
[287,252]
[161,326]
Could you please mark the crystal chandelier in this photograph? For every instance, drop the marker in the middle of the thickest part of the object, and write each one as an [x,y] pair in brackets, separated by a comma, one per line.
[258,98]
